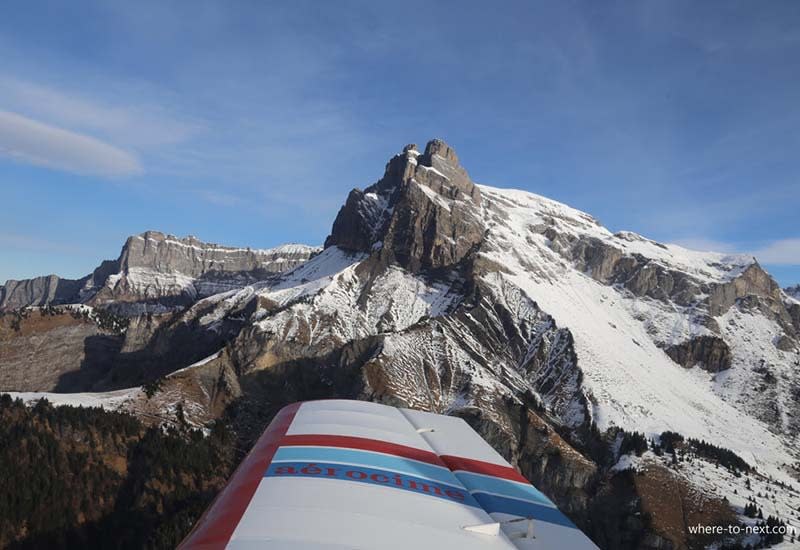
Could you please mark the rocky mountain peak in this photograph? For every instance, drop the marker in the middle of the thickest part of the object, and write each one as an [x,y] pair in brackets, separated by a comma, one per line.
[442,149]
[422,214]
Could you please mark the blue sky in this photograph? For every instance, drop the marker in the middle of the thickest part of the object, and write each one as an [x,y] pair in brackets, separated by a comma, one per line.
[246,123]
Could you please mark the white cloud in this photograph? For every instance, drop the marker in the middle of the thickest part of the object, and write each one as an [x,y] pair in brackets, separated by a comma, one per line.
[137,124]
[27,140]
[779,252]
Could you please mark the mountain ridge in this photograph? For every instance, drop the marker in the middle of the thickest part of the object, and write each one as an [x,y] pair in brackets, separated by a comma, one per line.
[151,267]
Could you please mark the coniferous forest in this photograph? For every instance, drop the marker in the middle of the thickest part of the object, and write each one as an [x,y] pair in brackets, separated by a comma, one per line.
[88,478]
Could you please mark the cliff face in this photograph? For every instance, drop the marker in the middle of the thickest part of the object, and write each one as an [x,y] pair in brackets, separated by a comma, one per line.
[709,352]
[156,272]
[67,346]
[37,351]
[423,214]
[192,258]
[39,291]
[162,270]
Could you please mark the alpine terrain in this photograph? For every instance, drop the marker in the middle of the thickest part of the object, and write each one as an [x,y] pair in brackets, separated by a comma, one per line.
[646,388]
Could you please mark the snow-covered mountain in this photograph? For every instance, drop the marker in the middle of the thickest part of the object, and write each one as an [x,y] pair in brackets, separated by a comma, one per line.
[554,337]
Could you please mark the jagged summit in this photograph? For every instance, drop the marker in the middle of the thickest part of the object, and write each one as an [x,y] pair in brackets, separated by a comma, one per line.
[423,213]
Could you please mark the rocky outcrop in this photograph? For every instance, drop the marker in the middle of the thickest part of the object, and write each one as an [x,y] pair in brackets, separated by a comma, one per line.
[203,390]
[79,349]
[193,258]
[739,282]
[596,258]
[710,353]
[756,291]
[162,270]
[650,508]
[39,291]
[422,215]
[157,272]
[38,350]
[552,464]
[793,306]
[794,313]
[753,281]
[642,276]
[785,343]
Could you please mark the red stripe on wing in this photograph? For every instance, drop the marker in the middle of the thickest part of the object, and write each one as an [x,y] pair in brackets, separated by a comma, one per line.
[459,463]
[454,463]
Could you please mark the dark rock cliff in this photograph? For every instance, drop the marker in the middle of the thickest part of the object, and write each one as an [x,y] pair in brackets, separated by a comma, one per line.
[710,352]
[422,214]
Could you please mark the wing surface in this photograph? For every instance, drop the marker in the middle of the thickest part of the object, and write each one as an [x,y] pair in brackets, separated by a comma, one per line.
[351,474]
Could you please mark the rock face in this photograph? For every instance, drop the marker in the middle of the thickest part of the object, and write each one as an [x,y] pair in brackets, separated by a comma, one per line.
[753,281]
[164,270]
[794,313]
[637,273]
[80,349]
[709,352]
[793,306]
[158,271]
[193,258]
[36,351]
[39,291]
[423,213]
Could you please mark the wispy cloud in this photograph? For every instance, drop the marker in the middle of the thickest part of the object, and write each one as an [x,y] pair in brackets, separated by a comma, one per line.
[778,252]
[138,124]
[27,140]
[781,252]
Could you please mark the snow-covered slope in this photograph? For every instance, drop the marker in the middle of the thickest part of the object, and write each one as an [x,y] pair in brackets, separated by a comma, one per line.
[620,337]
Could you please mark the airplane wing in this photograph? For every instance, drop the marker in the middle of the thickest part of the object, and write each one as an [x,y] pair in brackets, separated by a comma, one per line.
[342,474]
